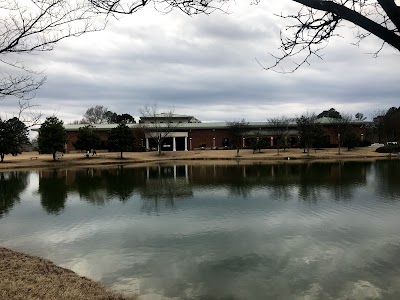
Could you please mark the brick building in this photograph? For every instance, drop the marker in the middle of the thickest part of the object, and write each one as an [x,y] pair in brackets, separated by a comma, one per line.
[188,133]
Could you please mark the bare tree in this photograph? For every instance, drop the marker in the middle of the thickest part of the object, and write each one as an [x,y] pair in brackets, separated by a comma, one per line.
[156,125]
[96,115]
[306,125]
[360,116]
[28,115]
[238,129]
[33,26]
[280,129]
[341,125]
[78,122]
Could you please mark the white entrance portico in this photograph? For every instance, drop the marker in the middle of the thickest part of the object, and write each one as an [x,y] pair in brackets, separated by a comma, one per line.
[173,135]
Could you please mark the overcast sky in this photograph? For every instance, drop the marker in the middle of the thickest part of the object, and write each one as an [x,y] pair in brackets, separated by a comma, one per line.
[206,66]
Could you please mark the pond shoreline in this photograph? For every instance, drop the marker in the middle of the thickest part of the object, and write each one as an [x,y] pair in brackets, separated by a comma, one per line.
[31,277]
[33,160]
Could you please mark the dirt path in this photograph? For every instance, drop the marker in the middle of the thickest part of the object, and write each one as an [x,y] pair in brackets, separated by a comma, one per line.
[31,160]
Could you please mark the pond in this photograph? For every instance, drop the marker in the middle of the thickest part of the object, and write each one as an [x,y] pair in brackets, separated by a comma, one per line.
[213,231]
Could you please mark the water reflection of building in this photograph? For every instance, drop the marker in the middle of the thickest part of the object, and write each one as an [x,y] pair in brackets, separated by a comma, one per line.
[163,182]
[168,182]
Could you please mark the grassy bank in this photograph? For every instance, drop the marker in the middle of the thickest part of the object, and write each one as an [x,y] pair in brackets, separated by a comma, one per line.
[25,277]
[34,160]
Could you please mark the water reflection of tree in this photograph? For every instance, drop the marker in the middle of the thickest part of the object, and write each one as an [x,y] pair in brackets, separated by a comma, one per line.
[387,178]
[164,191]
[282,179]
[53,191]
[337,179]
[12,184]
[90,186]
[121,183]
[99,186]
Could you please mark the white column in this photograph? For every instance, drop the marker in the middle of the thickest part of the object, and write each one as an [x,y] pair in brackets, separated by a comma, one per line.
[147,144]
[173,144]
[243,142]
[186,149]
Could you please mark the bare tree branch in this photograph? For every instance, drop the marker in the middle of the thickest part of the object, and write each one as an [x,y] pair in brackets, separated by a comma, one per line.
[189,7]
[33,26]
[27,115]
[157,126]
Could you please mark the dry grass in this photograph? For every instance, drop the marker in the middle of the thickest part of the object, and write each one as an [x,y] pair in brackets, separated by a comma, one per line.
[25,277]
[105,158]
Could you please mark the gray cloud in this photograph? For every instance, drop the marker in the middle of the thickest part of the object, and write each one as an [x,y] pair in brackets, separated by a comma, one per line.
[206,66]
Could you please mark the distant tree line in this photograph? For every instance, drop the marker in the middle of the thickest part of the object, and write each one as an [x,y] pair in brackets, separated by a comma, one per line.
[52,135]
[311,132]
[101,115]
[386,125]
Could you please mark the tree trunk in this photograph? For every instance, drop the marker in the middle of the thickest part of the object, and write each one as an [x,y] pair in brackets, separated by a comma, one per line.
[2,157]
[54,155]
[121,155]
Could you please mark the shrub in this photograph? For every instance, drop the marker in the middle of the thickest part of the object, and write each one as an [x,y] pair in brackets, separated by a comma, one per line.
[388,149]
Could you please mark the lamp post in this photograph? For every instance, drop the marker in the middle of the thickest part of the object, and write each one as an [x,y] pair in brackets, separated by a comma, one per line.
[244,142]
[338,137]
[190,143]
[213,143]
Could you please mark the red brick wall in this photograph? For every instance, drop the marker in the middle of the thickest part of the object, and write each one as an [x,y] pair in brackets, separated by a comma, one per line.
[205,136]
[332,131]
[72,137]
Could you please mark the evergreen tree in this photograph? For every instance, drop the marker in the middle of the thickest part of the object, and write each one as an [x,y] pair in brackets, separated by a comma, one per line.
[350,139]
[87,139]
[13,135]
[121,139]
[52,136]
